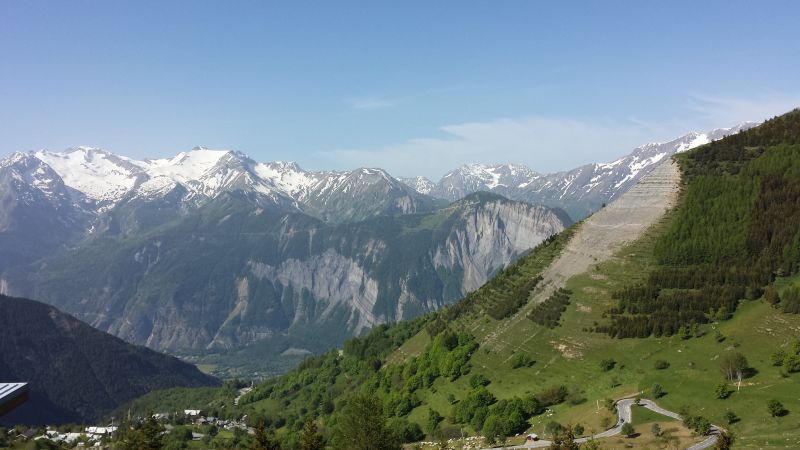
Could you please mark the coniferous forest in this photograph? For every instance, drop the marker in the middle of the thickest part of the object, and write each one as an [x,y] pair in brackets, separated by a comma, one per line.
[736,229]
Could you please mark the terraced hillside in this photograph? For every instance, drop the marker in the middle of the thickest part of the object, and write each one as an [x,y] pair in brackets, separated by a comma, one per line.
[597,239]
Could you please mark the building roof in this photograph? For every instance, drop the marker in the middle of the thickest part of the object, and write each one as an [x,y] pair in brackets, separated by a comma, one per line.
[12,395]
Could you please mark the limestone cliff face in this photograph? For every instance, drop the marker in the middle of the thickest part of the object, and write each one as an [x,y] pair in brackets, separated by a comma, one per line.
[349,291]
[330,278]
[492,236]
[229,276]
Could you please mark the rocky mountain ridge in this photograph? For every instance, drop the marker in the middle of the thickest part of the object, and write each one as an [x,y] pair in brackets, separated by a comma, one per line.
[580,191]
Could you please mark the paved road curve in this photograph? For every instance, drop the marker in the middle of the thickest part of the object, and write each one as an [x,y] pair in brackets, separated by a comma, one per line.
[625,415]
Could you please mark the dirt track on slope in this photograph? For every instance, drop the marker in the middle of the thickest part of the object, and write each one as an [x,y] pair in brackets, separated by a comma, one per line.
[601,235]
[626,415]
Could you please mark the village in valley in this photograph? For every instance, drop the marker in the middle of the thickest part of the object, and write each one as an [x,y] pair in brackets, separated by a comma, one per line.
[188,425]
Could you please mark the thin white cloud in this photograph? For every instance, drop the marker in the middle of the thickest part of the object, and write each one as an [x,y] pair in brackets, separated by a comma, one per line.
[549,144]
[722,111]
[544,143]
[371,103]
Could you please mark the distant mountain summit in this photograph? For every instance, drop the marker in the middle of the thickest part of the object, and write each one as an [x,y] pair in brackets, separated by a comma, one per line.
[99,180]
[75,372]
[580,191]
[103,180]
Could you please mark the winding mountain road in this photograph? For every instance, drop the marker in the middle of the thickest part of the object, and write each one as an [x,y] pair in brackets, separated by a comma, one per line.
[625,415]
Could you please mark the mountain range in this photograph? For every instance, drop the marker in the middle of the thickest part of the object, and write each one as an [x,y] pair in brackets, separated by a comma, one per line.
[579,191]
[211,251]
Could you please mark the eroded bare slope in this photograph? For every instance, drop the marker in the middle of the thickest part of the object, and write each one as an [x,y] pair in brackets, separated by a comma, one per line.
[601,235]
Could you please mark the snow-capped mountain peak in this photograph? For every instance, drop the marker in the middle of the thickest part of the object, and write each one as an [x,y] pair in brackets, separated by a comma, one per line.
[98,174]
[419,184]
[579,191]
[500,178]
[186,166]
[287,176]
[105,179]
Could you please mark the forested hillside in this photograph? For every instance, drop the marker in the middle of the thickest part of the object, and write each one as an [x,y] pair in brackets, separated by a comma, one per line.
[736,229]
[75,372]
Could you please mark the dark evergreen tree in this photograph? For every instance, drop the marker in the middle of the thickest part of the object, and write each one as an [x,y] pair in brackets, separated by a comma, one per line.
[362,426]
[311,439]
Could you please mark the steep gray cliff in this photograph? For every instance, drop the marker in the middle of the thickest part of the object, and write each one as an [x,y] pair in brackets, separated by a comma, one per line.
[227,275]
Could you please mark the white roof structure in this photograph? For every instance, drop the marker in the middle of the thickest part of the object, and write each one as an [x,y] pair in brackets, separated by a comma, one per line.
[11,395]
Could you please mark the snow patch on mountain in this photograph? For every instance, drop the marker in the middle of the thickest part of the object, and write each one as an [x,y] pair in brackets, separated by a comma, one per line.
[286,176]
[186,167]
[419,184]
[99,175]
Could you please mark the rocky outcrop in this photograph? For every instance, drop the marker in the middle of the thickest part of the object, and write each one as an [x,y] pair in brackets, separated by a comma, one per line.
[329,278]
[492,236]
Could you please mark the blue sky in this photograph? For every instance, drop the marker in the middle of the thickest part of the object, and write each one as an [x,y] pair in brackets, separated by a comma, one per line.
[416,87]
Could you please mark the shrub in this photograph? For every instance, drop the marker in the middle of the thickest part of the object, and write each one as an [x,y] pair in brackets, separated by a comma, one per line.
[553,429]
[699,424]
[607,364]
[776,408]
[772,297]
[722,391]
[661,364]
[575,397]
[792,363]
[552,395]
[791,300]
[656,430]
[778,358]
[478,380]
[628,430]
[521,360]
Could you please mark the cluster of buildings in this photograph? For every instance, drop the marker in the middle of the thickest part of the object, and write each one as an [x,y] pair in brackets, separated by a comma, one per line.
[91,436]
[94,436]
[198,417]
